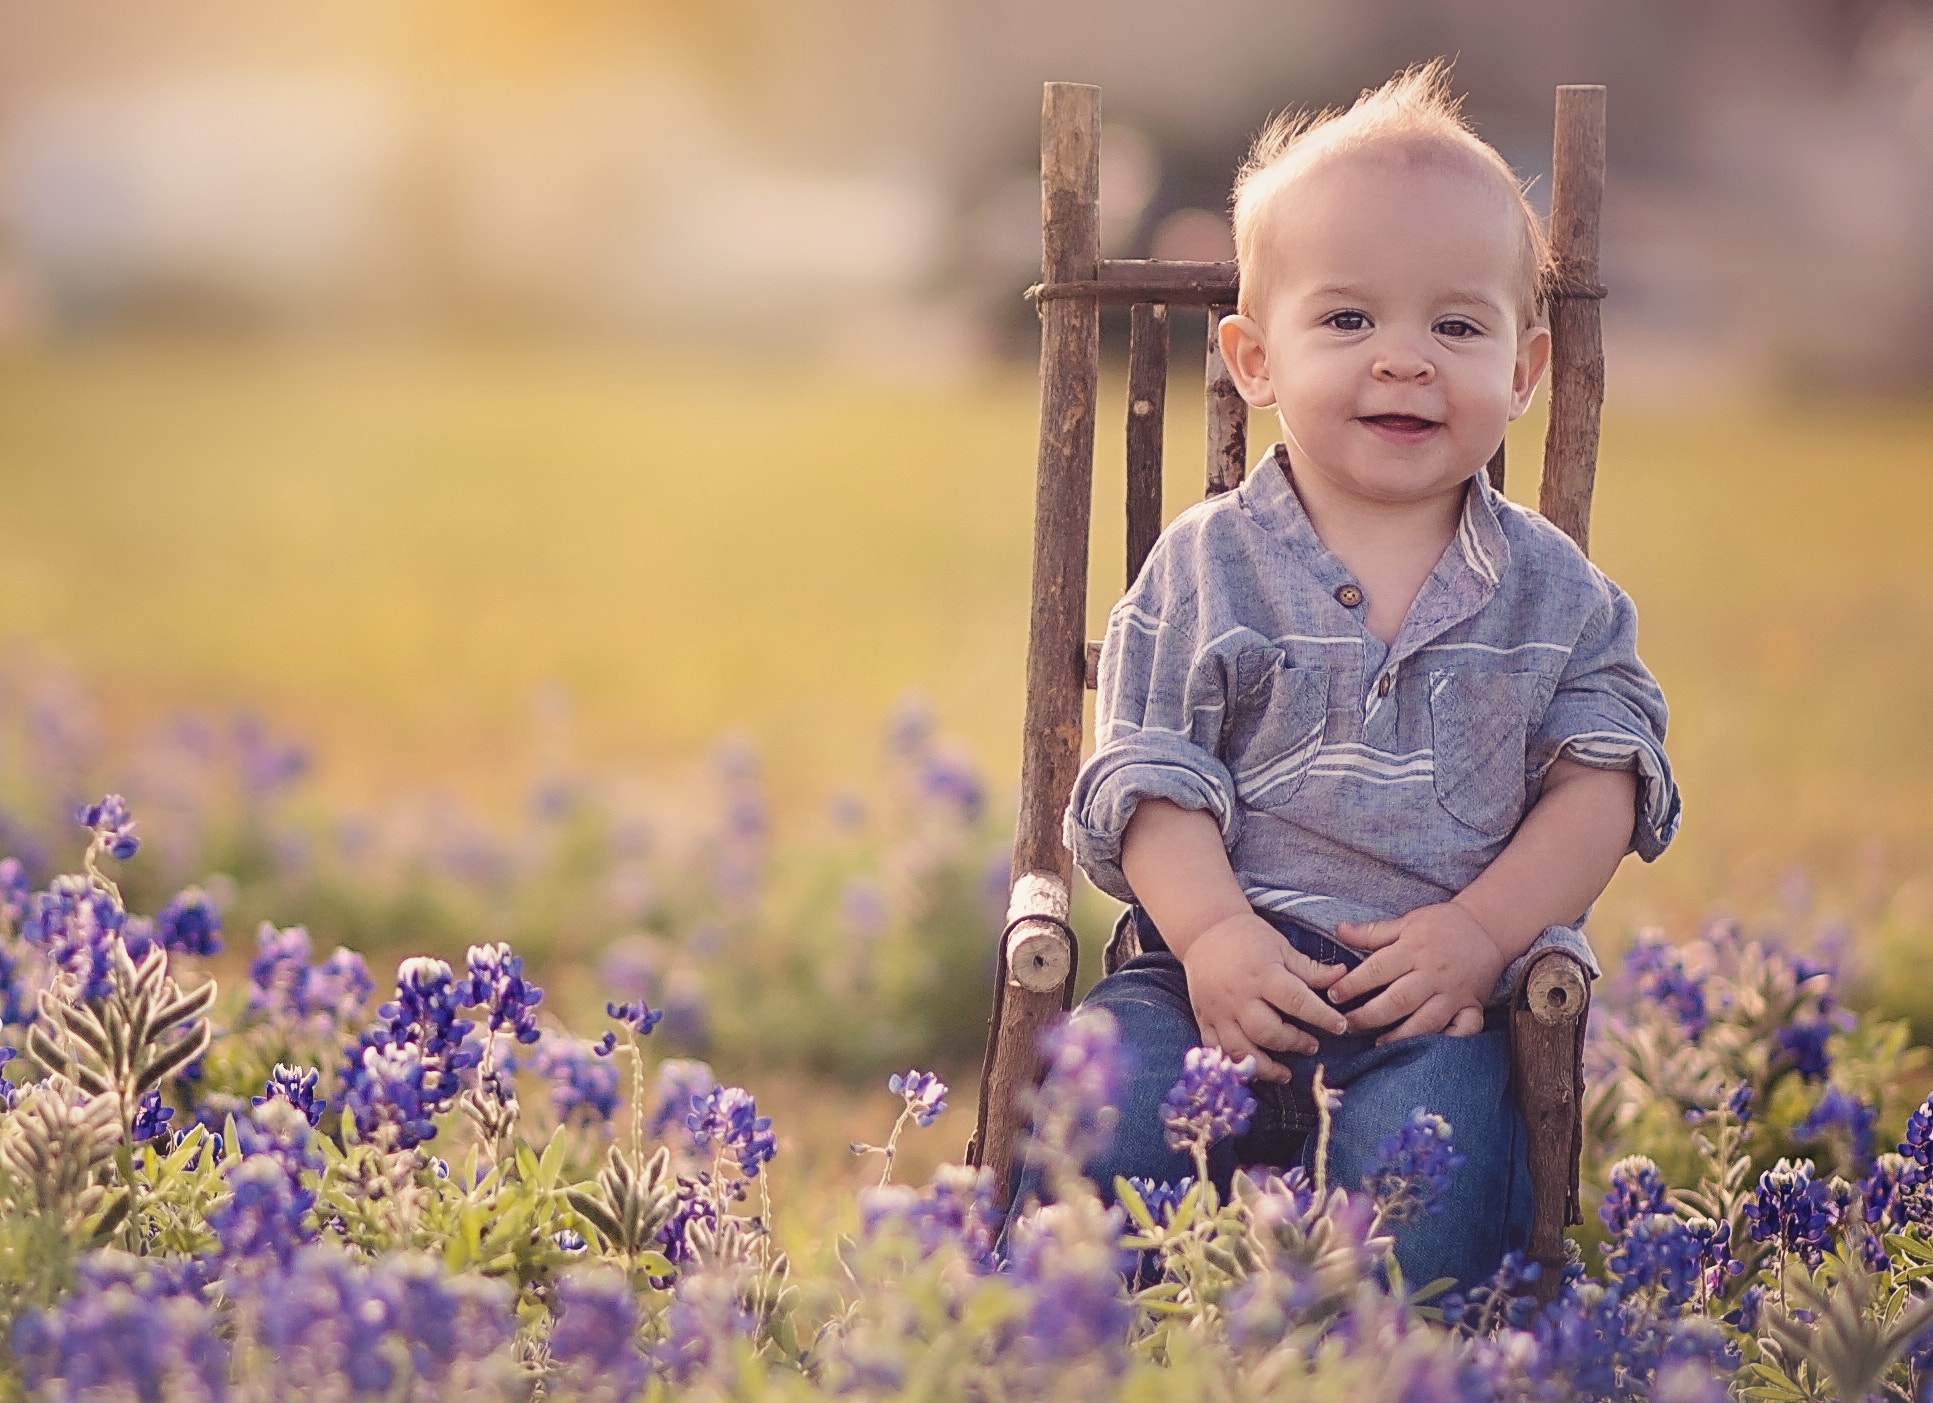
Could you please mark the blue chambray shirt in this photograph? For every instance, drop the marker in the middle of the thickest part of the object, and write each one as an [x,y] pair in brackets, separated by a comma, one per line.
[1354,780]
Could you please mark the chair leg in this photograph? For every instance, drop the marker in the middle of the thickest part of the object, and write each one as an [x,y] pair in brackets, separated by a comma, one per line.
[1546,1057]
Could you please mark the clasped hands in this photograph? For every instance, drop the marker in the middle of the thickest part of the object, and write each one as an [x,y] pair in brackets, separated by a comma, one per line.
[1430,971]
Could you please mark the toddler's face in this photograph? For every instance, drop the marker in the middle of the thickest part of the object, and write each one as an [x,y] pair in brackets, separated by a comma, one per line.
[1389,329]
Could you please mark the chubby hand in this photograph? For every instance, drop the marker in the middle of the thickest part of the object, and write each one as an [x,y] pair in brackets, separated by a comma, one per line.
[1245,982]
[1435,967]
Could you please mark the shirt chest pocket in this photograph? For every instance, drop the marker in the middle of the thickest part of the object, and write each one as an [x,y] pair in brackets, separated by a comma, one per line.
[1479,730]
[1275,721]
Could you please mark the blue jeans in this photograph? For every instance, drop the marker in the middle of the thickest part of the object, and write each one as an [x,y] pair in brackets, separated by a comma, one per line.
[1466,1080]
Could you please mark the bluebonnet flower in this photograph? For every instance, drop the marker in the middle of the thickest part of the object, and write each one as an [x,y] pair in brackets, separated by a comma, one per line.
[1074,1108]
[151,1119]
[1637,1191]
[1508,1297]
[424,1013]
[706,1314]
[924,1093]
[76,925]
[1793,1210]
[17,991]
[267,765]
[1263,1309]
[275,974]
[1161,1200]
[594,1339]
[113,827]
[681,1084]
[1891,1196]
[8,1091]
[262,1217]
[1413,1169]
[384,1086]
[496,983]
[334,994]
[1840,1114]
[1658,1251]
[571,1242]
[955,1210]
[1803,1041]
[727,1118]
[1657,972]
[295,1085]
[1211,1102]
[635,1015]
[1067,1258]
[583,1090]
[111,1341]
[1917,1146]
[189,924]
[695,1209]
[605,1045]
[353,1324]
[947,779]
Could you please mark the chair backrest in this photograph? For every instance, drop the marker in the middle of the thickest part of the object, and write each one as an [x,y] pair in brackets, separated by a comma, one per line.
[1036,965]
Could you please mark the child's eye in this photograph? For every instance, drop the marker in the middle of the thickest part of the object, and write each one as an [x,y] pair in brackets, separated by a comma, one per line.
[1347,321]
[1457,328]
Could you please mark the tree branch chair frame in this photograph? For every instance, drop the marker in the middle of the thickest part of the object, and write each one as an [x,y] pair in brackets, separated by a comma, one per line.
[1037,956]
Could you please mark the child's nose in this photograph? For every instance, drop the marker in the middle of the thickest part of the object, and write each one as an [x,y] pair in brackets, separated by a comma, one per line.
[1404,364]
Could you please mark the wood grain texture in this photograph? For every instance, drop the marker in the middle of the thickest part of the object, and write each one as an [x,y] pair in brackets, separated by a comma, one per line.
[1227,415]
[1070,361]
[1546,1075]
[1147,408]
[1577,341]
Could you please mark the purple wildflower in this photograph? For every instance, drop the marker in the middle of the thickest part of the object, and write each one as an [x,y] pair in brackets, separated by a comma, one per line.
[1211,1102]
[262,1217]
[706,1314]
[923,1092]
[695,1209]
[1636,1192]
[275,974]
[1413,1169]
[727,1118]
[295,1085]
[1659,1251]
[594,1339]
[955,1210]
[681,1084]
[1657,972]
[1161,1199]
[385,1087]
[1890,1195]
[583,1089]
[14,889]
[1068,1260]
[496,983]
[636,1015]
[1074,1109]
[76,925]
[1840,1115]
[113,827]
[1918,1144]
[189,924]
[1793,1210]
[151,1119]
[605,1045]
[112,1340]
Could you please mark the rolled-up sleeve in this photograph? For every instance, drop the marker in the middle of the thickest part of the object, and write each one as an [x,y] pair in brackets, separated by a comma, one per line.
[1158,723]
[1608,712]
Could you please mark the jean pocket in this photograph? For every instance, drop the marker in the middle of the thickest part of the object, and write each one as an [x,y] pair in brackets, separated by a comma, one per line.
[1276,718]
[1479,730]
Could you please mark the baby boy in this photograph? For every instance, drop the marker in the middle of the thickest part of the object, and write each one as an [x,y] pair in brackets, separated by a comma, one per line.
[1369,734]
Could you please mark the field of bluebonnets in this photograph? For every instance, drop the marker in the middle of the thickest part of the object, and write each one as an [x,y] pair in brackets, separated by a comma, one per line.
[287,1112]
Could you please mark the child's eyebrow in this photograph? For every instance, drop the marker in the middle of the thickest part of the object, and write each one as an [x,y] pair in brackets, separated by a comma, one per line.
[1456,296]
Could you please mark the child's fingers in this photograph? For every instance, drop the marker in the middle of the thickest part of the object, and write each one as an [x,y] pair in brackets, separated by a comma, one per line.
[1399,1001]
[1267,1029]
[1369,935]
[1467,1023]
[1237,1044]
[1289,997]
[1431,1017]
[1372,974]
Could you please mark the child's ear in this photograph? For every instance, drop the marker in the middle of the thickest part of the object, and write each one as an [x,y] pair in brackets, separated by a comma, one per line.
[1247,358]
[1533,355]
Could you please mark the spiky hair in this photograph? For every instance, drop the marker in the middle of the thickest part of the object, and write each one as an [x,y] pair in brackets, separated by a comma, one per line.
[1415,113]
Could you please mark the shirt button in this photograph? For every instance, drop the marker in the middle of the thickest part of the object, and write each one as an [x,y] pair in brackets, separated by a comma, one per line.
[1382,685]
[1348,596]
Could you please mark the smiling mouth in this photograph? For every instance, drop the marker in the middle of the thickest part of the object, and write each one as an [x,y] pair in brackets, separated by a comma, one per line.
[1399,423]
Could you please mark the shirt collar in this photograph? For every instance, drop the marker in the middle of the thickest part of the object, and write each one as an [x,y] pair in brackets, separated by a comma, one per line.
[1479,548]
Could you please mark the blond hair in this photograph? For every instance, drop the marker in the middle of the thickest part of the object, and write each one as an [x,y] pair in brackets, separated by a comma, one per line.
[1412,113]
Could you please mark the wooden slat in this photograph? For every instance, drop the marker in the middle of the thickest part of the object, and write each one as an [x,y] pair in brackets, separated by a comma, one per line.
[1577,342]
[1546,1024]
[1227,415]
[1147,407]
[1070,364]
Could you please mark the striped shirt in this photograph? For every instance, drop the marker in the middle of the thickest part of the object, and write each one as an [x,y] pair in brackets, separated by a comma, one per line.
[1355,780]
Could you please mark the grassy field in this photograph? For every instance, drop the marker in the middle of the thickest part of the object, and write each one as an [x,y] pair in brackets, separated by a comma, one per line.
[391,549]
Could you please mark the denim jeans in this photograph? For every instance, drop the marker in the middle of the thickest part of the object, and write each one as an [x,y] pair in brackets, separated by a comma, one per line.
[1466,1080]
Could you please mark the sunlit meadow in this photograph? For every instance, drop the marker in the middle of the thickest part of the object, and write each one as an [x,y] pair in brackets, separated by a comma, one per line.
[698,682]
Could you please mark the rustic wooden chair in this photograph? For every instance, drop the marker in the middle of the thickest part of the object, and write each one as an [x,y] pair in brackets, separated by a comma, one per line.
[1034,981]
